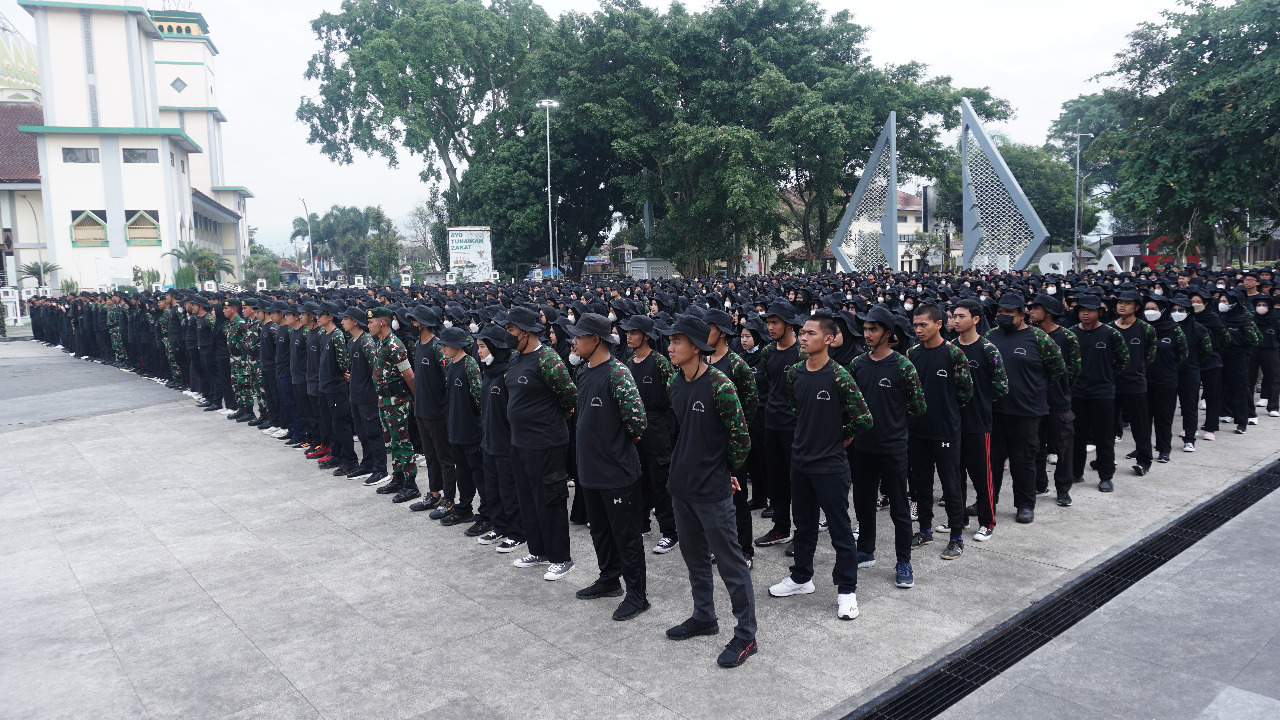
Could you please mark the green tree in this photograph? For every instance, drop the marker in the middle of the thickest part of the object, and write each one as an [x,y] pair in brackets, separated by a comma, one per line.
[38,270]
[262,264]
[207,263]
[383,256]
[1200,145]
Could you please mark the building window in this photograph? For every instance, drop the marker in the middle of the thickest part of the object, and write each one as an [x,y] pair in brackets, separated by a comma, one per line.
[80,155]
[184,166]
[902,218]
[142,229]
[171,161]
[141,155]
[88,230]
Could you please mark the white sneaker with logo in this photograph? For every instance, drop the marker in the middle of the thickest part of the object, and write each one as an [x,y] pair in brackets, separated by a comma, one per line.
[789,587]
[847,606]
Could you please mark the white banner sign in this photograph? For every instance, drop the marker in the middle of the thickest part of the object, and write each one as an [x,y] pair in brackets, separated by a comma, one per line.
[470,253]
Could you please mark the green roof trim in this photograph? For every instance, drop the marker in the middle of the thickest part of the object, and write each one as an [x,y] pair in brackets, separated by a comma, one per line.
[233,188]
[91,6]
[216,112]
[182,137]
[184,36]
[177,62]
[181,16]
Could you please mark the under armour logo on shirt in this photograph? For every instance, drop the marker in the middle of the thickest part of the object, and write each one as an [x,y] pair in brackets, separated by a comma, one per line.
[617,501]
[946,444]
[942,373]
[597,402]
[885,382]
[698,406]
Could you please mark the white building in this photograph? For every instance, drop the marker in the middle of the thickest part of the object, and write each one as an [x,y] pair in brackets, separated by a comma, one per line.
[130,146]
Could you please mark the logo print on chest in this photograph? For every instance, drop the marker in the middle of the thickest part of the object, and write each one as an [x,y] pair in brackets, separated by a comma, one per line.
[597,402]
[698,406]
[824,395]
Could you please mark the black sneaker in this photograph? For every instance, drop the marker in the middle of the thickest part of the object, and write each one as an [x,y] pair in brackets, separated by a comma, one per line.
[443,508]
[406,494]
[344,472]
[397,481]
[773,537]
[1163,458]
[737,652]
[768,512]
[791,549]
[457,516]
[954,549]
[479,528]
[377,478]
[1064,498]
[1025,515]
[921,539]
[425,503]
[757,504]
[971,511]
[1106,486]
[600,589]
[359,474]
[629,609]
[692,628]
[1140,470]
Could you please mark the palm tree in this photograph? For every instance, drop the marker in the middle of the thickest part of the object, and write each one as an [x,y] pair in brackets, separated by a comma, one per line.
[305,228]
[206,262]
[188,252]
[38,270]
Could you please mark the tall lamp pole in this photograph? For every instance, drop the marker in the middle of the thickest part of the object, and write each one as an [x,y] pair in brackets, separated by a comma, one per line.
[39,243]
[1075,237]
[551,250]
[310,250]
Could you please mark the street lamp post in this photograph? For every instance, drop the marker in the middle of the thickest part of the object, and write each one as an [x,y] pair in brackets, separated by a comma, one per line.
[306,215]
[1075,237]
[551,250]
[39,243]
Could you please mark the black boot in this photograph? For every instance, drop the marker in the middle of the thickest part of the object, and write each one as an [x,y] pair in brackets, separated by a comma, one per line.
[247,417]
[393,487]
[408,491]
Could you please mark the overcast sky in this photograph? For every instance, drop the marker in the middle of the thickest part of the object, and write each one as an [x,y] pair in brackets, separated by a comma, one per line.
[1037,55]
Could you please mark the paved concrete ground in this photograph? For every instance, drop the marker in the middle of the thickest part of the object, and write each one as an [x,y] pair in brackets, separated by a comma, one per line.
[1197,638]
[163,562]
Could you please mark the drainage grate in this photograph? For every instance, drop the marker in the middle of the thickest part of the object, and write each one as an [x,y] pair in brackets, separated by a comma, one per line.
[939,687]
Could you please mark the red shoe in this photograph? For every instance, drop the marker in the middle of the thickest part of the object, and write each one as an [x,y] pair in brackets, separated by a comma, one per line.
[325,459]
[317,452]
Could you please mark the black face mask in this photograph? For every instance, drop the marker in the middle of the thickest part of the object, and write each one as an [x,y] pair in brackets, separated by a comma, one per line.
[1005,322]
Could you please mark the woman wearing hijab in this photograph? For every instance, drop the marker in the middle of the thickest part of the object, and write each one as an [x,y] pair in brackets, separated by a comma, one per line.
[1205,312]
[1242,337]
[1162,375]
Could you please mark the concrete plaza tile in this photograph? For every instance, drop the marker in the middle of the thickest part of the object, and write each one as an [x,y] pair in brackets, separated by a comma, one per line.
[1262,674]
[1024,702]
[65,628]
[1110,682]
[289,705]
[53,688]
[396,689]
[572,689]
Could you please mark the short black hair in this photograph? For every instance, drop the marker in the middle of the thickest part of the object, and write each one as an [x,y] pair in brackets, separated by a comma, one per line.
[929,309]
[971,305]
[826,324]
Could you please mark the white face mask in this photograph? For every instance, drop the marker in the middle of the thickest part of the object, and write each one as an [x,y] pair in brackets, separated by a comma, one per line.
[1223,307]
[572,318]
[1051,290]
[1263,309]
[448,323]
[1157,291]
[908,305]
[473,327]
[613,338]
[613,316]
[575,359]
[879,298]
[1222,286]
[395,324]
[487,360]
[848,296]
[727,304]
[1178,315]
[1066,285]
[1151,315]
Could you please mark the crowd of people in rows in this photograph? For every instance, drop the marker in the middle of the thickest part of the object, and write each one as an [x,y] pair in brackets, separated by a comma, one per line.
[702,404]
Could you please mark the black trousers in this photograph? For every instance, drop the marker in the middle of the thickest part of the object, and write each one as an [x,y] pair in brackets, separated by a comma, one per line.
[224,380]
[441,476]
[1212,382]
[777,458]
[1015,438]
[614,516]
[1057,435]
[289,415]
[270,397]
[742,518]
[924,455]
[341,446]
[706,528]
[543,491]
[468,468]
[755,466]
[498,502]
[1189,408]
[1237,392]
[1094,418]
[1134,407]
[873,473]
[1266,361]
[1162,401]
[655,468]
[811,492]
[975,455]
[325,424]
[369,429]
[210,379]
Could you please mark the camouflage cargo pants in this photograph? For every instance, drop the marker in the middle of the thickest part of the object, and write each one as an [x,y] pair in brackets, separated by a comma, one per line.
[174,370]
[240,383]
[394,414]
[117,344]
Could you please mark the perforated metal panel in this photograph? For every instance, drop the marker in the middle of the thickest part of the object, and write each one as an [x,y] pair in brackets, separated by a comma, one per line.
[1001,229]
[867,235]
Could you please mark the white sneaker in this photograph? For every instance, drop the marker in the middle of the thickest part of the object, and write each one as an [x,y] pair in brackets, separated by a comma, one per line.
[1226,419]
[1262,402]
[789,587]
[1253,421]
[1188,447]
[982,534]
[1274,413]
[1208,435]
[1090,448]
[280,433]
[558,570]
[1052,459]
[1203,405]
[847,606]
[225,411]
